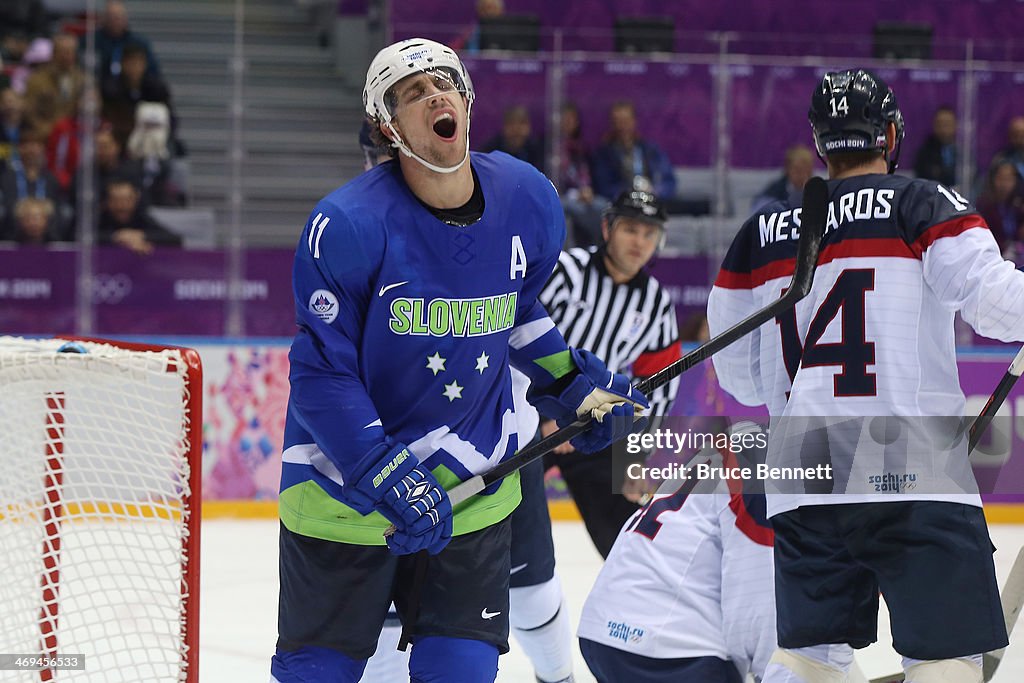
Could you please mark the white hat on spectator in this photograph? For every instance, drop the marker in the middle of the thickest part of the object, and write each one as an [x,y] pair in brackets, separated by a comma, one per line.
[151,132]
[40,51]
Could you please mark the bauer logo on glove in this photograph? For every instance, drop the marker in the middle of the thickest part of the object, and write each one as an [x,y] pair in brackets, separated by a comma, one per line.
[390,467]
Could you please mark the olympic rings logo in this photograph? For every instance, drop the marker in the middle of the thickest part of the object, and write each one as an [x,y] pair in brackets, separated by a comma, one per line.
[110,289]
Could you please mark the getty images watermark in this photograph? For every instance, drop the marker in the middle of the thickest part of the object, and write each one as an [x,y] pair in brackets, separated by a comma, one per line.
[818,455]
[670,442]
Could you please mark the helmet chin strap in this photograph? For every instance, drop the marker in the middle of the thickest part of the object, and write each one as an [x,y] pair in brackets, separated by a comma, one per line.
[399,143]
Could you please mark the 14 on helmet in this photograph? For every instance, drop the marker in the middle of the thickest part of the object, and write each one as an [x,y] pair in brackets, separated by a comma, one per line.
[850,112]
[406,58]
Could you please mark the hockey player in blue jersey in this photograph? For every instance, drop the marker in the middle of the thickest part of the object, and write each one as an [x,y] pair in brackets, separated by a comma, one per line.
[416,288]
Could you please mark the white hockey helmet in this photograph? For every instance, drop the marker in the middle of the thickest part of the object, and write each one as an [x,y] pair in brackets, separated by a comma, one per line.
[405,58]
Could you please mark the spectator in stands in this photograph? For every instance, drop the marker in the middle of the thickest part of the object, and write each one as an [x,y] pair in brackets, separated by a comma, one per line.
[624,155]
[21,22]
[469,40]
[25,18]
[39,53]
[12,113]
[122,93]
[126,223]
[797,169]
[583,208]
[1001,203]
[27,176]
[937,157]
[515,138]
[148,147]
[112,37]
[53,89]
[33,220]
[1014,150]
[110,164]
[64,143]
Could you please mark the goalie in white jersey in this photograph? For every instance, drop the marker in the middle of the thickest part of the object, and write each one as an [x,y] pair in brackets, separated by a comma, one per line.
[851,376]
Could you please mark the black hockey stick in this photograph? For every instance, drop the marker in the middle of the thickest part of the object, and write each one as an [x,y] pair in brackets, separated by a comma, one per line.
[1013,601]
[812,228]
[1013,590]
[1012,598]
[1002,389]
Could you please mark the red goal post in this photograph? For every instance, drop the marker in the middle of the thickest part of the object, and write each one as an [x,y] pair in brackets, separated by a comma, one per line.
[100,506]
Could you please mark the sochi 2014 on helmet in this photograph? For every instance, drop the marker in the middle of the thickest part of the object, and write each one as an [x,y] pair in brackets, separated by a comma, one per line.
[850,112]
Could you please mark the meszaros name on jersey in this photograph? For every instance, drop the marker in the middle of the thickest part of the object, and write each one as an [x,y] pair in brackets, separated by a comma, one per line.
[865,203]
[455,317]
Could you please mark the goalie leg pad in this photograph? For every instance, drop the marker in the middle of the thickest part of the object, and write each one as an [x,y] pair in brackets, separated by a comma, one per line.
[439,659]
[816,664]
[960,670]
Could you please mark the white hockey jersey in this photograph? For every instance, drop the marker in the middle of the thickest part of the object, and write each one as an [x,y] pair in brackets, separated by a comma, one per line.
[865,365]
[690,575]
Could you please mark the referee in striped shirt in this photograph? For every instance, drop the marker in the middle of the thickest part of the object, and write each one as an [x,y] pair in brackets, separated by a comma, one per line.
[602,300]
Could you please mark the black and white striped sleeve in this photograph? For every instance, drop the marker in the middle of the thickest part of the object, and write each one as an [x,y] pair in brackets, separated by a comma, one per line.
[660,347]
[564,280]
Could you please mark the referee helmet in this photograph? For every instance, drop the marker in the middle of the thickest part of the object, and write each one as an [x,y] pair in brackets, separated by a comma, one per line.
[640,203]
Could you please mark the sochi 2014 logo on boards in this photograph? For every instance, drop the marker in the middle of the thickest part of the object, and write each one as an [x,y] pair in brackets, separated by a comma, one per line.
[324,305]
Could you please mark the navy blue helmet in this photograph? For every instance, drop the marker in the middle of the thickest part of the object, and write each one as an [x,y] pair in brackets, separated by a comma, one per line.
[850,112]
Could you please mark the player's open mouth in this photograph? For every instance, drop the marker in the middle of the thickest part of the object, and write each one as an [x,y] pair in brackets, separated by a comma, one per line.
[444,126]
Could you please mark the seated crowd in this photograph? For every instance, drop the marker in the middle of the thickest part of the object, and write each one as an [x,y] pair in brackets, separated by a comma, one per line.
[44,94]
[43,90]
[586,178]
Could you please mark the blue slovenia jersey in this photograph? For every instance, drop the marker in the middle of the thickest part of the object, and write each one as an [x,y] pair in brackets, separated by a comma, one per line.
[407,328]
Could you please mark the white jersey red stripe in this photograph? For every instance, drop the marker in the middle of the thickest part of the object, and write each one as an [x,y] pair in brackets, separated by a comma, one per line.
[875,335]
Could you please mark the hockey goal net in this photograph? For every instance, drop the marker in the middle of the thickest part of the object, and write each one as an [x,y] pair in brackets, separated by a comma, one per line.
[100,446]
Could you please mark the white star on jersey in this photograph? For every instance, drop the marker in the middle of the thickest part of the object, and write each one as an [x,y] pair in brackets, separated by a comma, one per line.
[452,391]
[435,363]
[482,362]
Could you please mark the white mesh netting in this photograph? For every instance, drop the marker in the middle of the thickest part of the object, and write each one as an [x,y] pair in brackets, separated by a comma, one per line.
[94,514]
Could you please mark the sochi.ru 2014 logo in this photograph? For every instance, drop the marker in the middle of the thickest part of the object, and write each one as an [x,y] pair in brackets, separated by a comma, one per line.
[324,305]
[620,630]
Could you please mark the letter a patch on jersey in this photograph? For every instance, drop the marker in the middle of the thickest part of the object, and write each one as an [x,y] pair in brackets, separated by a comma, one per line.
[517,265]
